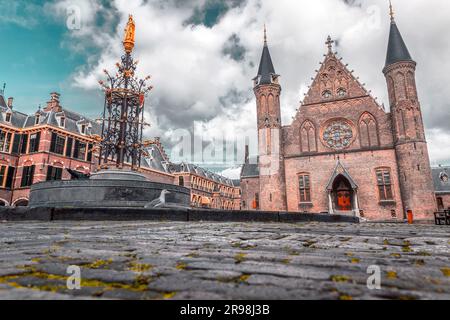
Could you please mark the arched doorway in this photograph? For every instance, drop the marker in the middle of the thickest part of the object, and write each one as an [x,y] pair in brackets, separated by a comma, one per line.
[342,194]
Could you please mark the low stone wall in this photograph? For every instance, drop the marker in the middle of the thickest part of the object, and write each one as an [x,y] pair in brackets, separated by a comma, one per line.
[137,214]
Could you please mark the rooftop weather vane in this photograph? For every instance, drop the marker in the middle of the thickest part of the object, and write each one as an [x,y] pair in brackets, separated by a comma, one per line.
[391,10]
[123,115]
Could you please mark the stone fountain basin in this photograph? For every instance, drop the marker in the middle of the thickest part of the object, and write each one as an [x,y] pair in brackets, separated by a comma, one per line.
[104,192]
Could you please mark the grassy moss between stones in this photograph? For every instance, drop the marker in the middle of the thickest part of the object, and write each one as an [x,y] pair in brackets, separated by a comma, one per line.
[140,284]
[239,258]
[98,264]
[392,275]
[168,295]
[446,272]
[181,266]
[139,267]
[340,278]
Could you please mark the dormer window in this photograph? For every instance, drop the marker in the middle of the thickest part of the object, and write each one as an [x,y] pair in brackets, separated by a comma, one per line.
[37,119]
[326,94]
[8,117]
[341,92]
[83,129]
[62,122]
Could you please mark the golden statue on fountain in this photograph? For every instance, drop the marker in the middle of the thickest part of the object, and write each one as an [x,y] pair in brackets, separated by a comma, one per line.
[128,41]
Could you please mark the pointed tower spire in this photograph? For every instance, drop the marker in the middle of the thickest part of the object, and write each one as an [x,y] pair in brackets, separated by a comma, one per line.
[266,70]
[397,50]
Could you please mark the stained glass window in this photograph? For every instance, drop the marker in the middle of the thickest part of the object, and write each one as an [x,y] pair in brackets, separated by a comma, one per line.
[338,135]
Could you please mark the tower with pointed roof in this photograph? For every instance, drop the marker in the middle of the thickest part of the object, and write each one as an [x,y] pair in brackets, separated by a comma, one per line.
[267,90]
[411,149]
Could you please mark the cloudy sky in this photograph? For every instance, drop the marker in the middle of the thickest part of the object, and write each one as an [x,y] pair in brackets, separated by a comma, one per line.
[202,55]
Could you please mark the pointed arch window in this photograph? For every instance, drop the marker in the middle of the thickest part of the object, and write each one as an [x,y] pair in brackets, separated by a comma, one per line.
[327,94]
[368,131]
[308,137]
[341,92]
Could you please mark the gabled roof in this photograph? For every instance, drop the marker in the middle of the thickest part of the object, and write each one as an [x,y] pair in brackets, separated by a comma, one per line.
[2,102]
[156,159]
[333,76]
[340,170]
[72,120]
[202,172]
[397,50]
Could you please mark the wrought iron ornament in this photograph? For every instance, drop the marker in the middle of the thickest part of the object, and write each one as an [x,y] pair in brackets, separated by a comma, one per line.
[123,114]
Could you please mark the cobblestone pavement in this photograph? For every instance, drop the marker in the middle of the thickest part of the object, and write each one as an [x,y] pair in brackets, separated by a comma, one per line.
[155,260]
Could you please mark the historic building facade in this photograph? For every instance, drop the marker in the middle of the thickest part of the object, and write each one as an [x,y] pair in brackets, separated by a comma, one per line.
[343,153]
[41,146]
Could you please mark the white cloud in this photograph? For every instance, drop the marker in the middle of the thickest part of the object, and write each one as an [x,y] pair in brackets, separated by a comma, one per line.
[193,78]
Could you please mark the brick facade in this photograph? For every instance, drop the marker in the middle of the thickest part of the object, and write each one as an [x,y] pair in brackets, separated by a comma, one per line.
[343,153]
[66,141]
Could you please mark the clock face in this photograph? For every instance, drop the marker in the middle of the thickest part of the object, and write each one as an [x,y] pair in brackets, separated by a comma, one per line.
[338,135]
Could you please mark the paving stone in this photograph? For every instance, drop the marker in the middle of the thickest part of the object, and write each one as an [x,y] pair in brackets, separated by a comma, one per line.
[207,260]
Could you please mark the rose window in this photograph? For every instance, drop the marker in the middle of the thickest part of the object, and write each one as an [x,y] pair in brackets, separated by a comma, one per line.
[338,135]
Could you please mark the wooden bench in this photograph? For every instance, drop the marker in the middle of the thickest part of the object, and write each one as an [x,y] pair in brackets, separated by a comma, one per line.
[442,217]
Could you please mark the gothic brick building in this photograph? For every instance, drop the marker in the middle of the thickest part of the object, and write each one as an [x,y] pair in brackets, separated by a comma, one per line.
[40,146]
[343,153]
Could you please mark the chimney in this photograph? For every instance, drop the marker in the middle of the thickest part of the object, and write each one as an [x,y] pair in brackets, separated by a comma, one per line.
[246,154]
[53,104]
[10,102]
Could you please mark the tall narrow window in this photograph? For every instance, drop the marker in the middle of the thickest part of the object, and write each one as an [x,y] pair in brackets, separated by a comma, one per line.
[304,187]
[385,184]
[79,151]
[54,173]
[2,176]
[24,145]
[10,177]
[57,144]
[8,142]
[37,119]
[268,141]
[181,181]
[27,176]
[69,147]
[62,122]
[8,117]
[34,142]
[2,140]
